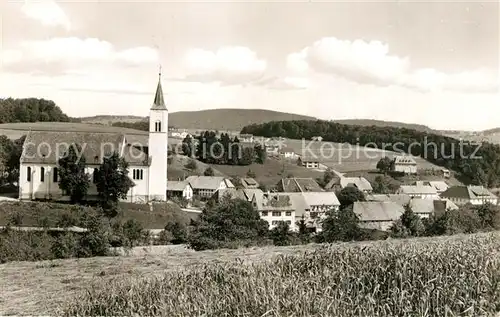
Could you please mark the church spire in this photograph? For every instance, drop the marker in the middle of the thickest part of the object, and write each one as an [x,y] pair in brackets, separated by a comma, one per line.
[159,102]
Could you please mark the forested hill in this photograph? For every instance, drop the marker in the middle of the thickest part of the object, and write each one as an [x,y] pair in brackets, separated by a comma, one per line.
[31,110]
[479,164]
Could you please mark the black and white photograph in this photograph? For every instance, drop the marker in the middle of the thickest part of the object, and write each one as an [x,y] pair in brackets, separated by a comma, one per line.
[253,158]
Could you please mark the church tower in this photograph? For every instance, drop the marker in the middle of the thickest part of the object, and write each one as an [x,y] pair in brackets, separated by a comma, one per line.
[158,146]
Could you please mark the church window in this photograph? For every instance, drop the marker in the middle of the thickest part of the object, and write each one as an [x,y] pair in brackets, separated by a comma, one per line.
[55,175]
[157,126]
[42,174]
[138,174]
[28,176]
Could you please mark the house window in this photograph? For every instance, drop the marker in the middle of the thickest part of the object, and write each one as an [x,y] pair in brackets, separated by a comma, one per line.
[276,214]
[157,126]
[42,174]
[54,175]
[264,214]
[28,176]
[288,213]
[95,175]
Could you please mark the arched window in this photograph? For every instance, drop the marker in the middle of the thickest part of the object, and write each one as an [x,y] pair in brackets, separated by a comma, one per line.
[158,126]
[42,174]
[55,175]
[28,176]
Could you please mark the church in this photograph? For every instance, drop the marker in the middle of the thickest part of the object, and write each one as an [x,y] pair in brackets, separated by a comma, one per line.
[145,153]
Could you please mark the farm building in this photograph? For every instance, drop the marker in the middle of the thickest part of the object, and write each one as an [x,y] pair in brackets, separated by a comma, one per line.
[288,153]
[440,186]
[400,199]
[297,185]
[426,207]
[475,195]
[249,182]
[307,161]
[240,193]
[340,182]
[206,186]
[405,164]
[275,207]
[378,215]
[179,189]
[146,156]
[419,191]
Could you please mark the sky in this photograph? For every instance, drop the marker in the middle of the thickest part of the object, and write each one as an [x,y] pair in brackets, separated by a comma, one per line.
[433,63]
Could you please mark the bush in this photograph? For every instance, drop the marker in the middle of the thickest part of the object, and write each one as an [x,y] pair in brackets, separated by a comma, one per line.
[191,165]
[281,234]
[229,222]
[177,231]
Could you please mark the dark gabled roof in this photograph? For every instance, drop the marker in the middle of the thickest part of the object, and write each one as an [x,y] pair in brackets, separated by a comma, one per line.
[159,102]
[47,147]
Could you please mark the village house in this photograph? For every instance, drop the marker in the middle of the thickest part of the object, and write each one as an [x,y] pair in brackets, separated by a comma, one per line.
[297,185]
[440,186]
[378,215]
[249,182]
[181,189]
[205,187]
[475,195]
[426,207]
[405,164]
[313,206]
[400,199]
[419,191]
[238,193]
[317,138]
[338,183]
[145,153]
[176,134]
[275,207]
[308,161]
[246,138]
[288,153]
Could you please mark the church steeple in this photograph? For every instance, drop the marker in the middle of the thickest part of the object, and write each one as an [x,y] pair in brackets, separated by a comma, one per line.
[159,102]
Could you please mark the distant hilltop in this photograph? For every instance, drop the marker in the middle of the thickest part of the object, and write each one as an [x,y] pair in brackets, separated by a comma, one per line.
[236,119]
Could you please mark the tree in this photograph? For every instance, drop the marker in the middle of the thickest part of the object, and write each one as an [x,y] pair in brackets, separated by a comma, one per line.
[380,185]
[349,195]
[188,146]
[384,165]
[73,179]
[341,225]
[260,151]
[209,172]
[328,176]
[412,222]
[281,234]
[251,174]
[178,232]
[113,183]
[191,165]
[231,220]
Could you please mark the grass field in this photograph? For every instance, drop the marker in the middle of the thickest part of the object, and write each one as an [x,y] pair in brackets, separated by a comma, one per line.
[416,277]
[33,213]
[269,173]
[345,157]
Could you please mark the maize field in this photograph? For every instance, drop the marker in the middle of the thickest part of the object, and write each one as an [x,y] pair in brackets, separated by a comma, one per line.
[446,276]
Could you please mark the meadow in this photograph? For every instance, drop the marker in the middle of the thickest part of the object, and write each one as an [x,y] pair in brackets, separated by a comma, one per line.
[446,276]
[348,158]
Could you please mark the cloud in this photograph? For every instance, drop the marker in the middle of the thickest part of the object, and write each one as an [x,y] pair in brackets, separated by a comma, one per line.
[371,63]
[230,65]
[59,55]
[47,12]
